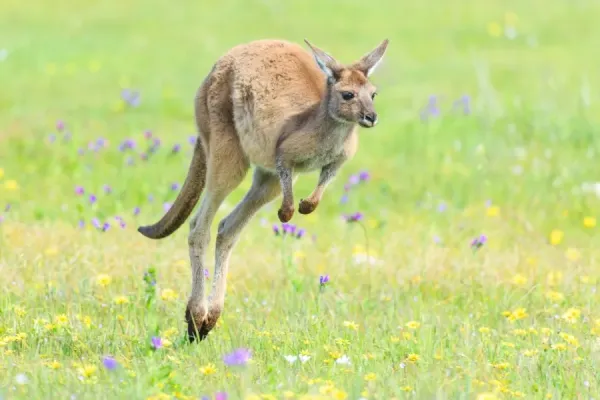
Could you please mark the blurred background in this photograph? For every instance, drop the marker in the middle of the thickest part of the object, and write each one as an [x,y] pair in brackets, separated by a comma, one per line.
[475,97]
[488,123]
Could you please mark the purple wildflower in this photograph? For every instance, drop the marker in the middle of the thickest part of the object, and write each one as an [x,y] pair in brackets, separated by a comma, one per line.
[79,190]
[129,160]
[176,148]
[107,189]
[465,102]
[364,176]
[127,144]
[105,227]
[131,97]
[442,207]
[148,134]
[344,198]
[156,342]
[192,140]
[205,272]
[60,126]
[81,223]
[354,179]
[276,230]
[93,198]
[357,216]
[323,279]
[221,396]
[80,151]
[156,142]
[175,186]
[239,356]
[7,207]
[478,242]
[136,211]
[52,138]
[150,198]
[110,363]
[300,233]
[167,206]
[144,156]
[285,227]
[96,223]
[431,109]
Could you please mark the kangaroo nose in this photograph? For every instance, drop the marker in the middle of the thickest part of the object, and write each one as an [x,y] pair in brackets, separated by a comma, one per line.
[371,117]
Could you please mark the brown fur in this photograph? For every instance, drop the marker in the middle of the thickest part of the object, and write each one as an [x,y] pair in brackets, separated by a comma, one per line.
[284,110]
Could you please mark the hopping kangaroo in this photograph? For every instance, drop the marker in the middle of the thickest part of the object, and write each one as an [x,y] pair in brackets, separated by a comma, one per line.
[271,104]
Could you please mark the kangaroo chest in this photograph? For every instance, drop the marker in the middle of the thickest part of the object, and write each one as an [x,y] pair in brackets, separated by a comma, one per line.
[326,150]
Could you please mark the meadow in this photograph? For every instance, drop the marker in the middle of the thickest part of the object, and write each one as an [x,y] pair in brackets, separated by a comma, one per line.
[455,257]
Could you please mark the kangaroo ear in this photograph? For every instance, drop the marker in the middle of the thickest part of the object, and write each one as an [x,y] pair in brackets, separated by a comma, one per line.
[369,62]
[327,63]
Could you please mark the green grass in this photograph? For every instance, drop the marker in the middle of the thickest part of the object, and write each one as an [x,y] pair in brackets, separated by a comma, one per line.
[429,313]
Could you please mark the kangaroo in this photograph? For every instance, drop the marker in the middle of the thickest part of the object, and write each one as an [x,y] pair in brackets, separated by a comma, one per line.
[282,109]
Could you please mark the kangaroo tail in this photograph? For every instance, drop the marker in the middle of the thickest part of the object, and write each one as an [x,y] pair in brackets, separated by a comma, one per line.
[186,199]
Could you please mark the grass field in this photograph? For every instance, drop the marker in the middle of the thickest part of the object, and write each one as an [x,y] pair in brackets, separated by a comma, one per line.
[489,113]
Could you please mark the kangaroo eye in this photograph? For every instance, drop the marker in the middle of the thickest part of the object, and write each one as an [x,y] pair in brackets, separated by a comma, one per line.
[347,95]
[373,95]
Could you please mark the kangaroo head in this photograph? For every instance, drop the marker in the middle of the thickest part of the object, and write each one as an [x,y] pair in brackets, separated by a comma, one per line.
[350,93]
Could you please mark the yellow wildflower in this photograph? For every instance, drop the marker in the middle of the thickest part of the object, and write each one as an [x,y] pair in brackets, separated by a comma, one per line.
[484,330]
[103,280]
[370,377]
[121,300]
[1,173]
[208,369]
[87,371]
[394,339]
[487,396]
[351,324]
[519,280]
[570,339]
[572,315]
[515,315]
[519,332]
[556,236]
[11,185]
[413,324]
[494,29]
[338,394]
[168,294]
[412,358]
[288,394]
[559,346]
[501,366]
[19,311]
[53,364]
[493,211]
[406,388]
[589,222]
[61,320]
[554,296]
